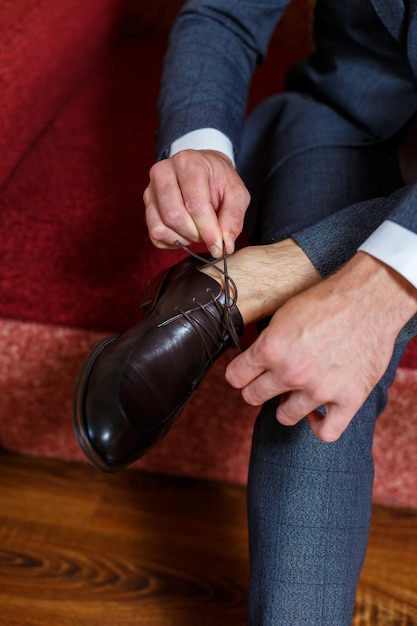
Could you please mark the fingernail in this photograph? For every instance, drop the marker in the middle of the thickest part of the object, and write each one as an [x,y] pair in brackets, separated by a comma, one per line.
[215,251]
[230,244]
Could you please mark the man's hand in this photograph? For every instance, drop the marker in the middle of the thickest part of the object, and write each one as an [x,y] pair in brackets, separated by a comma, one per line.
[194,196]
[328,346]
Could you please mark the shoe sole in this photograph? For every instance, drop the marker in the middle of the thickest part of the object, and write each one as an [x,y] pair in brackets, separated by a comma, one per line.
[78,408]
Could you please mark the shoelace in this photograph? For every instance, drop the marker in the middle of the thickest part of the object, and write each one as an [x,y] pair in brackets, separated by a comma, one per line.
[226,310]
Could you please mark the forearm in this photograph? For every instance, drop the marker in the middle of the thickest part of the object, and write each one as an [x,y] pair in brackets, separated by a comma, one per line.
[208,35]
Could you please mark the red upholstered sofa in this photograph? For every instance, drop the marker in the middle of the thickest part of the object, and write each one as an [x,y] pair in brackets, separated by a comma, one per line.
[78,87]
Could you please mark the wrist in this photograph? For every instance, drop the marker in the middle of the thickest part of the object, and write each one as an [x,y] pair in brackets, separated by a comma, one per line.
[393,295]
[267,276]
[204,139]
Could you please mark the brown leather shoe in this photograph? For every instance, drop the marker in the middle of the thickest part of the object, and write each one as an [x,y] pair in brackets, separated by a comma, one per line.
[131,389]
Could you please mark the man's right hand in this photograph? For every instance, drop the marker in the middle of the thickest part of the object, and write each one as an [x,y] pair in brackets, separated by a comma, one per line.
[328,346]
[195,196]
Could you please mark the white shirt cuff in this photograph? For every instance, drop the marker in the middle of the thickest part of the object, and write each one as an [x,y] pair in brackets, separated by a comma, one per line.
[396,246]
[204,139]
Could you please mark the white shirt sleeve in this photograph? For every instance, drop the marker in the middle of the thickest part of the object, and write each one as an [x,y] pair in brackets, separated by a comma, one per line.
[204,139]
[396,246]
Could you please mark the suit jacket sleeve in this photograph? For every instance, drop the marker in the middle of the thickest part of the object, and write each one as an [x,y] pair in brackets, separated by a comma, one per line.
[214,48]
[334,240]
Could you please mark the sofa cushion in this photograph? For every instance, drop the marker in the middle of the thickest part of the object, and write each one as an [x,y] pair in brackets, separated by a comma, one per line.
[46,50]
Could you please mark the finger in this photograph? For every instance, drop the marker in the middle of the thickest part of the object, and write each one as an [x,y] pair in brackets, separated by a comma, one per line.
[162,236]
[243,369]
[200,203]
[330,427]
[263,388]
[259,359]
[249,373]
[295,406]
[232,213]
[166,216]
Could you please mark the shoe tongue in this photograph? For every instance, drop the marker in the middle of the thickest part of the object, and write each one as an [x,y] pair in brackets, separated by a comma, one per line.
[188,289]
[185,287]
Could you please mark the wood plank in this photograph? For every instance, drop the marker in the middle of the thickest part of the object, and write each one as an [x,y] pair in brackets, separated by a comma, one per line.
[79,547]
[387,593]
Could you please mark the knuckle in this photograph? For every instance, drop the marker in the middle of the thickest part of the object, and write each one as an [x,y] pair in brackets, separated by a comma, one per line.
[269,351]
[171,216]
[294,378]
[185,159]
[243,195]
[261,351]
[250,397]
[236,217]
[317,395]
[146,196]
[329,434]
[285,416]
[158,234]
[232,378]
[266,343]
[193,205]
[157,172]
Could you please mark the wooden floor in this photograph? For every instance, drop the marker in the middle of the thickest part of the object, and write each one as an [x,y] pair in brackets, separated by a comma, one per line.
[81,548]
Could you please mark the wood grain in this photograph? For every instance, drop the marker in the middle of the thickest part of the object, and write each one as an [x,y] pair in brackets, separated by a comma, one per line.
[78,547]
